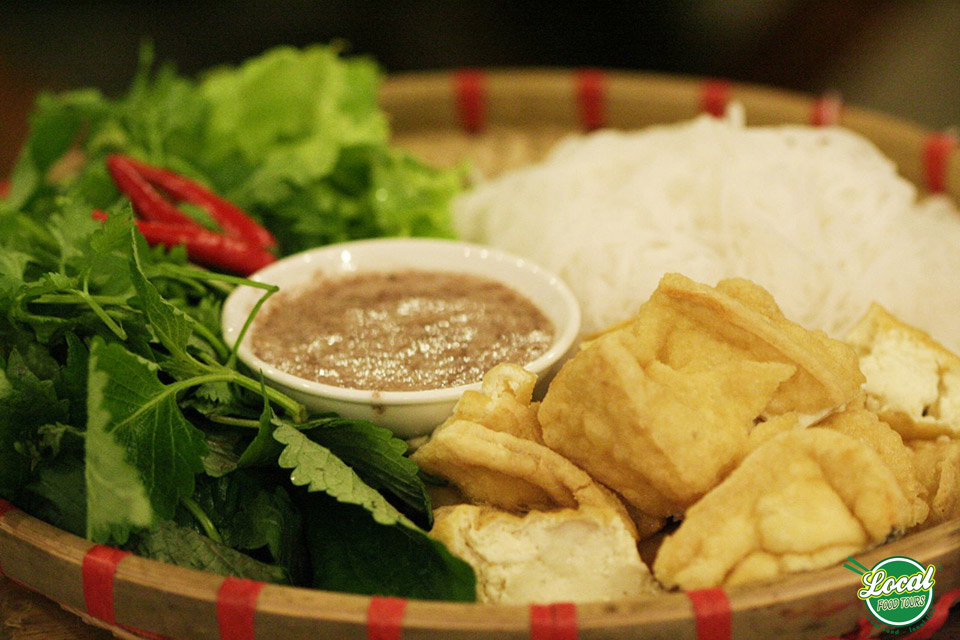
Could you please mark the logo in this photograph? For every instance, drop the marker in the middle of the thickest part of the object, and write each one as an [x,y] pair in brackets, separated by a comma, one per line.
[898,591]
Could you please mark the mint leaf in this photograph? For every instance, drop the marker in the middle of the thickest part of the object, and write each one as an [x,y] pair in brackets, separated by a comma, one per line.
[185,547]
[353,530]
[377,456]
[117,500]
[135,418]
[352,553]
[315,467]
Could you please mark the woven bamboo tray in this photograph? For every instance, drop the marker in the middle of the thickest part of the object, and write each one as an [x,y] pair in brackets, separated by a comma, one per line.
[500,120]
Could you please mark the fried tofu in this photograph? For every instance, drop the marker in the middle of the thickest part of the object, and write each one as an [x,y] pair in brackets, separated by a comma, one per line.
[937,464]
[499,469]
[740,318]
[912,381]
[803,500]
[499,460]
[660,409]
[866,428]
[566,555]
[504,402]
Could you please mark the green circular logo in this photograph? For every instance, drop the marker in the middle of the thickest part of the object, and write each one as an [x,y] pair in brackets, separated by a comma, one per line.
[898,590]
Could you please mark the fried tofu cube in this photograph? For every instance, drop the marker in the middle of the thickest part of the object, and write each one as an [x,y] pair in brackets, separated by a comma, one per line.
[913,382]
[566,555]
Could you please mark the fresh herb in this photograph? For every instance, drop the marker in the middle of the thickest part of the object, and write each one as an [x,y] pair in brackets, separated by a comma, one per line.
[294,137]
[185,547]
[352,514]
[124,416]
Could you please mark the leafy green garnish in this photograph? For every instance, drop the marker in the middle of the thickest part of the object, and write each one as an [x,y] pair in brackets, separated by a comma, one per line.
[349,513]
[185,547]
[130,409]
[316,468]
[251,511]
[353,553]
[57,494]
[377,456]
[26,403]
[124,416]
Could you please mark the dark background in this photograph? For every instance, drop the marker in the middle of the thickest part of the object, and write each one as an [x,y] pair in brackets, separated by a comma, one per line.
[895,55]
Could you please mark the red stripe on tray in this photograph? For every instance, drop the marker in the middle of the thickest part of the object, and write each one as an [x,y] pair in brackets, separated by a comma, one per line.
[714,96]
[936,159]
[827,110]
[592,98]
[99,568]
[556,621]
[941,611]
[237,608]
[711,612]
[385,618]
[470,90]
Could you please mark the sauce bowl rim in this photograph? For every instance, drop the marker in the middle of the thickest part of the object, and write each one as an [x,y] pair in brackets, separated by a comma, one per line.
[564,335]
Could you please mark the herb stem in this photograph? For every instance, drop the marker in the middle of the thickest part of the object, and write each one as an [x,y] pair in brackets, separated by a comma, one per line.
[77,298]
[235,422]
[102,314]
[39,233]
[210,337]
[246,327]
[296,410]
[202,518]
[211,277]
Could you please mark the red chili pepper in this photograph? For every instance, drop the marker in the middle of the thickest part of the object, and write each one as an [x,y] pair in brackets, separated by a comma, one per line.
[230,217]
[146,201]
[204,246]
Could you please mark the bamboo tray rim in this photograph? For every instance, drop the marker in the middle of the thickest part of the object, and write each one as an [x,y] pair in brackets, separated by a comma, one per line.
[27,542]
[329,606]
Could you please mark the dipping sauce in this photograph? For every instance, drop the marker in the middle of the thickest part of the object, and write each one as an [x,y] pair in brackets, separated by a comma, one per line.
[399,331]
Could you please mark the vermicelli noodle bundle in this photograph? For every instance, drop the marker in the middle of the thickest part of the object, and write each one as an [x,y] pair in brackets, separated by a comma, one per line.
[818,216]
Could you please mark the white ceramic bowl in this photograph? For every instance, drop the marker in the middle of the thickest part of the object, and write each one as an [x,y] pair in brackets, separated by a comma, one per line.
[407,413]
